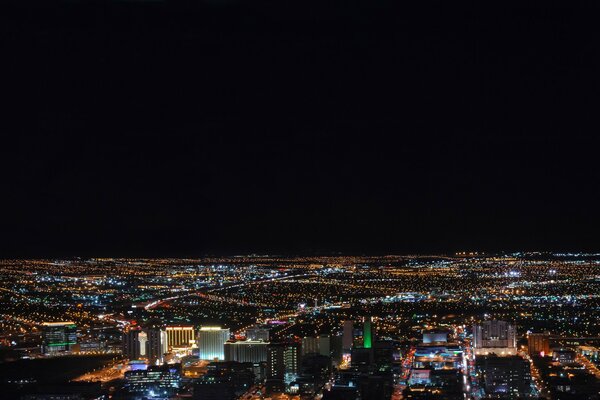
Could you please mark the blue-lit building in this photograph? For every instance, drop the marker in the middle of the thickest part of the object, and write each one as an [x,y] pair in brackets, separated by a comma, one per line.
[155,382]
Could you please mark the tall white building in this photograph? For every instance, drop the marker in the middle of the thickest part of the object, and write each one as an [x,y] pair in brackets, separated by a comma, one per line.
[211,342]
[143,339]
[498,337]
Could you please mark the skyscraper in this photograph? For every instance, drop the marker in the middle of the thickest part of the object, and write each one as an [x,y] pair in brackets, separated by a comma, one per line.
[143,338]
[211,342]
[246,351]
[505,377]
[282,359]
[325,345]
[367,333]
[180,335]
[347,335]
[131,343]
[156,346]
[538,344]
[310,345]
[497,337]
[58,337]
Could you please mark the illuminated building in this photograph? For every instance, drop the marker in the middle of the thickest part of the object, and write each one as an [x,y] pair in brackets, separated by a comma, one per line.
[180,336]
[367,333]
[316,345]
[347,335]
[310,345]
[434,384]
[282,360]
[438,356]
[143,338]
[131,343]
[494,337]
[58,337]
[211,343]
[420,376]
[435,336]
[246,351]
[224,381]
[156,346]
[589,351]
[564,356]
[325,345]
[156,381]
[538,344]
[505,377]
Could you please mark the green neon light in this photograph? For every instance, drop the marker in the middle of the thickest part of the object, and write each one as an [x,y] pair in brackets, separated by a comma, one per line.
[367,338]
[60,344]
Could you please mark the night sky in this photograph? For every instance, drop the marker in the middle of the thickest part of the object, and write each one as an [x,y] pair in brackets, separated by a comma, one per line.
[185,128]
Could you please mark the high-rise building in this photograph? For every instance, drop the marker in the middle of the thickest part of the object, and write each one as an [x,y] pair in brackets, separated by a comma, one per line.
[538,344]
[325,345]
[347,335]
[143,338]
[505,377]
[131,343]
[211,342]
[282,359]
[180,335]
[361,356]
[156,345]
[367,333]
[494,337]
[310,345]
[337,353]
[383,353]
[58,337]
[224,381]
[246,351]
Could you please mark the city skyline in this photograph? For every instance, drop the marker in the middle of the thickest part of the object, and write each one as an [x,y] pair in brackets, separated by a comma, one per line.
[462,326]
[279,200]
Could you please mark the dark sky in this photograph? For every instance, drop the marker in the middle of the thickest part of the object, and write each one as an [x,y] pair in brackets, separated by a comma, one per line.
[183,128]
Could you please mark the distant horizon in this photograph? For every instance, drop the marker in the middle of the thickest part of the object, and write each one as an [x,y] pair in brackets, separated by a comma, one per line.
[515,253]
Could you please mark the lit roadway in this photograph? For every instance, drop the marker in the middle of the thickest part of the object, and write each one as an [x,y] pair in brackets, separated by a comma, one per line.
[106,374]
[535,373]
[155,303]
[591,367]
